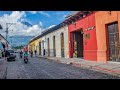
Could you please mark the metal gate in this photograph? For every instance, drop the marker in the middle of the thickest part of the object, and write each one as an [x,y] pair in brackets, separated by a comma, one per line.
[113,41]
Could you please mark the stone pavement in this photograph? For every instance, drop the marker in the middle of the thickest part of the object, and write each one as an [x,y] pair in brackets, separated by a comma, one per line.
[110,67]
[3,68]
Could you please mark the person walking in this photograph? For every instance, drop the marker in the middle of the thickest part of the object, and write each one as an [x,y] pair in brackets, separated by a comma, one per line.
[35,52]
[31,53]
[44,52]
[21,54]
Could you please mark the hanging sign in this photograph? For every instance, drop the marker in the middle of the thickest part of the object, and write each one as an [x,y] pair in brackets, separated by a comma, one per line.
[90,28]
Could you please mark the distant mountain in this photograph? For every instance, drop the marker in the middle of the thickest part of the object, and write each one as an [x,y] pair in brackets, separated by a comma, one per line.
[19,40]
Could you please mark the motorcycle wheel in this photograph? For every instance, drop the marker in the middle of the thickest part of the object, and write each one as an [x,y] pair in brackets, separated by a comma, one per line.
[26,61]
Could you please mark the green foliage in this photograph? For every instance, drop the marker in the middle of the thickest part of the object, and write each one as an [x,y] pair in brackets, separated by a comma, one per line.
[19,47]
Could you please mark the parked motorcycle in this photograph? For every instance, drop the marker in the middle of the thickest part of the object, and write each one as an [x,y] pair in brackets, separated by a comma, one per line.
[25,59]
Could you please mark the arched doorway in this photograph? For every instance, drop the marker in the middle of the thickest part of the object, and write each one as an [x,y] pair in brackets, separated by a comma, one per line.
[62,44]
[39,48]
[54,47]
[48,47]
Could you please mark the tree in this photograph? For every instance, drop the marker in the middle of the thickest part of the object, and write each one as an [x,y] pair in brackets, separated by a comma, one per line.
[19,47]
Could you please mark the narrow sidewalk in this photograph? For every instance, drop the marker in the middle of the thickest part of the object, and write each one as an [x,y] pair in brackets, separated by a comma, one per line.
[3,68]
[109,68]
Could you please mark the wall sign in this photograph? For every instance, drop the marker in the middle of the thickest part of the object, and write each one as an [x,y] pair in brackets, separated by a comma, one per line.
[90,28]
[87,36]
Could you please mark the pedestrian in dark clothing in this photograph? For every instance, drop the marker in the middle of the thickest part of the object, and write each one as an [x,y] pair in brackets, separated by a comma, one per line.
[44,52]
[2,54]
[21,54]
[35,52]
[31,53]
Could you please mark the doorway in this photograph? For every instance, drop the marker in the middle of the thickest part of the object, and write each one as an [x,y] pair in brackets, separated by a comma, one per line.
[113,42]
[54,47]
[62,44]
[48,47]
[78,44]
[39,48]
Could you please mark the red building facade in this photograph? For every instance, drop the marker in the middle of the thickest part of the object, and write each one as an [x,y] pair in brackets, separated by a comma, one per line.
[82,36]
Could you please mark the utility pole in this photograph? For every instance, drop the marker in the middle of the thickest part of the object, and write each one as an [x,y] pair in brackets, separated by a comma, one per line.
[7,27]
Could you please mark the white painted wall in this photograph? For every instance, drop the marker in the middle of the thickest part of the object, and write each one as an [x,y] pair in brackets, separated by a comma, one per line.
[43,44]
[58,41]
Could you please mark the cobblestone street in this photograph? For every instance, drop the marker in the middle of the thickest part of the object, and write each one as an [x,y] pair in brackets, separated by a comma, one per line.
[39,68]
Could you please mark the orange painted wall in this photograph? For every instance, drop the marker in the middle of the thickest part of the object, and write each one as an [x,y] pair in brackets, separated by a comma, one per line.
[102,18]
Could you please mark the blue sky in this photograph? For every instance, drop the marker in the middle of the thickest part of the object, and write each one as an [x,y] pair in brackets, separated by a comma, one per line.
[52,17]
[40,20]
[55,17]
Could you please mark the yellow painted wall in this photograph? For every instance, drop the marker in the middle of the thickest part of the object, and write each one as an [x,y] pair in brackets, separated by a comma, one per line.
[35,43]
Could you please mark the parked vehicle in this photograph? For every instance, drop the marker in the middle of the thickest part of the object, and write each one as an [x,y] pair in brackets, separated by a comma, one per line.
[16,51]
[10,54]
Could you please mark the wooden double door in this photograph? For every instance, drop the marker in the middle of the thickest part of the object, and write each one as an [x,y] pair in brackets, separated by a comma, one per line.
[113,42]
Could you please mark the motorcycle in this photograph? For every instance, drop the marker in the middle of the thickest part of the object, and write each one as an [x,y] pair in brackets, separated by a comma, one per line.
[25,59]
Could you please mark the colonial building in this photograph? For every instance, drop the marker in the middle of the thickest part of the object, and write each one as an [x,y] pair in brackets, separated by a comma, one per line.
[34,44]
[4,42]
[54,42]
[90,35]
[94,36]
[82,35]
[107,35]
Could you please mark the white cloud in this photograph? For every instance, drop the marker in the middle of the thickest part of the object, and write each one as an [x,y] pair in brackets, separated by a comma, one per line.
[19,28]
[44,13]
[51,26]
[40,12]
[62,14]
[32,31]
[33,12]
[40,23]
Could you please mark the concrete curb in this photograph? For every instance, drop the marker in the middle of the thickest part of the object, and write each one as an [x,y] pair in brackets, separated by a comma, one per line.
[96,68]
[105,70]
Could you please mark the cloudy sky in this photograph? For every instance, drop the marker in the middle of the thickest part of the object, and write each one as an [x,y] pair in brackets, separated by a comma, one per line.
[40,20]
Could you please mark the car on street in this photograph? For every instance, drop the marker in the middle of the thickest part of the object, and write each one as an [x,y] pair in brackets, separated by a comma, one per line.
[10,54]
[16,51]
